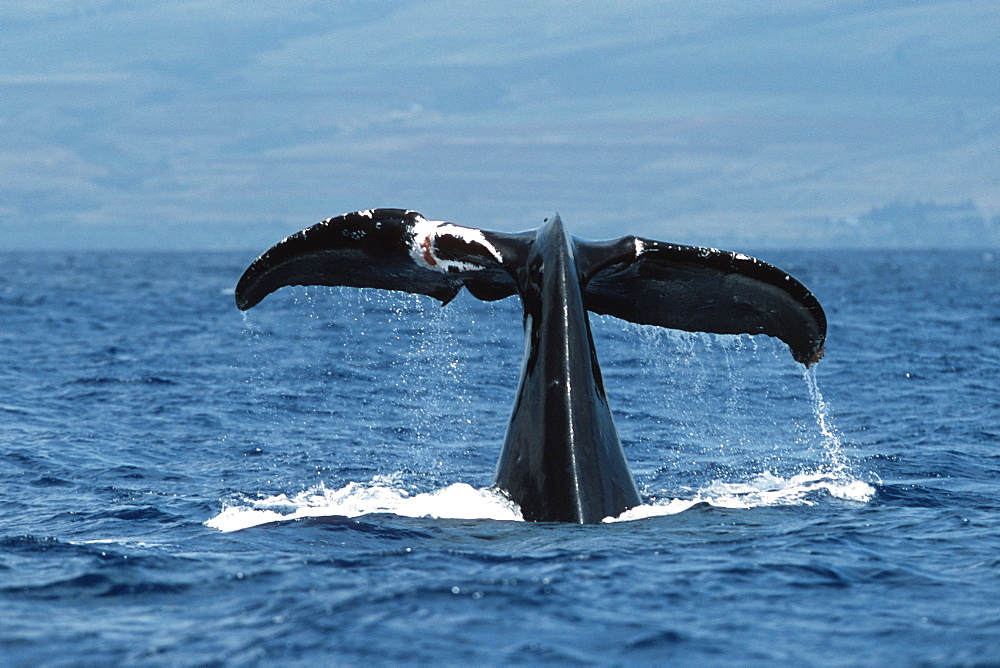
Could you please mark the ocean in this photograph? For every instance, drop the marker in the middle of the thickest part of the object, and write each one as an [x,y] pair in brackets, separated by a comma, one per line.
[309,483]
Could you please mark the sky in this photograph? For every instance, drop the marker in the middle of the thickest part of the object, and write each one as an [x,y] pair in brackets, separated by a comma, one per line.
[184,124]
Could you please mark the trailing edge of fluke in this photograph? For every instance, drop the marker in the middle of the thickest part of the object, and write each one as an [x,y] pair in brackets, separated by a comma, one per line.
[561,458]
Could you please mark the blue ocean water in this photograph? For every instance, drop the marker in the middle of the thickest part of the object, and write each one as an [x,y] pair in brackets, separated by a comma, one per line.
[309,484]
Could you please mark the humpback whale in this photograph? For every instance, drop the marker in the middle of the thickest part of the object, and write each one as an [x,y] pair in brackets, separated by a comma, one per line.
[561,459]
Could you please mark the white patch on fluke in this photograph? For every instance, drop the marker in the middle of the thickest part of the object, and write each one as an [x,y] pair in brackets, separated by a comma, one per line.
[422,246]
[470,235]
[639,246]
[424,252]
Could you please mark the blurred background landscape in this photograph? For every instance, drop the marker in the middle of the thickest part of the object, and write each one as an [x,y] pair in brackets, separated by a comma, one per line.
[176,124]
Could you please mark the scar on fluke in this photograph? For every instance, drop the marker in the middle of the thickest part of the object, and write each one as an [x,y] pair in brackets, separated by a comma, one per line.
[561,458]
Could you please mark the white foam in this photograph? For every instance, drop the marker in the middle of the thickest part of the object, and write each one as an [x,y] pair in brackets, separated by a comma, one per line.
[457,501]
[764,490]
[462,501]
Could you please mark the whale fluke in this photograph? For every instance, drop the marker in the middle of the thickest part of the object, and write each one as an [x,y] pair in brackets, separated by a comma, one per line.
[640,280]
[702,290]
[561,460]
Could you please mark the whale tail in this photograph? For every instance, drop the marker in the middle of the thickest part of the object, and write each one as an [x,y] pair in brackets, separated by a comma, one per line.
[562,459]
[640,280]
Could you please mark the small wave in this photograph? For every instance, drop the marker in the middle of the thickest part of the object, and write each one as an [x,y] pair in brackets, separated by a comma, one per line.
[457,501]
[462,501]
[764,490]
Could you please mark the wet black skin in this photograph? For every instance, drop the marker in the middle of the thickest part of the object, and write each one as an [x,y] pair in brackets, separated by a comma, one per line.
[561,460]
